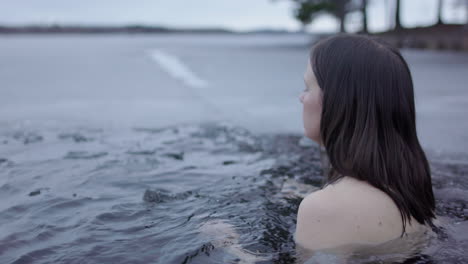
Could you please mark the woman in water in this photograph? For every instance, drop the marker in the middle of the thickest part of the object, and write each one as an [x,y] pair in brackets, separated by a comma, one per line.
[359,106]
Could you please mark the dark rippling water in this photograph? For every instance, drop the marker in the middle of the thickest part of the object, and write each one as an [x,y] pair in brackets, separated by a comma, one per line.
[192,193]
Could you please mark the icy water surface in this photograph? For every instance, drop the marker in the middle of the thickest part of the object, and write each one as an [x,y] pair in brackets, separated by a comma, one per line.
[190,193]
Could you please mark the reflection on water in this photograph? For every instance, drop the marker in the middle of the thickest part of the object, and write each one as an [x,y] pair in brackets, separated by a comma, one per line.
[192,193]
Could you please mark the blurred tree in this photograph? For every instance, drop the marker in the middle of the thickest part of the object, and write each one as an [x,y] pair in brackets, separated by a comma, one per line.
[339,10]
[364,15]
[398,16]
[439,12]
[307,10]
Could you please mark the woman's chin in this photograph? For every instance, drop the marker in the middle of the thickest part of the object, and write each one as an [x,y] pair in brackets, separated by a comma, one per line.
[314,138]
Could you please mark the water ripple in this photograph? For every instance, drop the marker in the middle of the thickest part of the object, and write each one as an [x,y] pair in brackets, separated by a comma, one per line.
[146,195]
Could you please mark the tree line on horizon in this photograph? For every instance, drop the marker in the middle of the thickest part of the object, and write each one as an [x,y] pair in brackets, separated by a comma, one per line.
[307,10]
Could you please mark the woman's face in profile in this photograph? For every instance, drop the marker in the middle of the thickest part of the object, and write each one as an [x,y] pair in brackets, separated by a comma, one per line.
[311,99]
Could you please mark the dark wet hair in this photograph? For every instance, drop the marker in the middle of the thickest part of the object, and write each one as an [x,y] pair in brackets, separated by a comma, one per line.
[368,123]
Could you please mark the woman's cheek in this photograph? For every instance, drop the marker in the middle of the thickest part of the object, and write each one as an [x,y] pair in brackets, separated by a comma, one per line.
[312,112]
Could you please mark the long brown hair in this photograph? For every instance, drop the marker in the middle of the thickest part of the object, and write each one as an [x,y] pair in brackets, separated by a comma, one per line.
[368,123]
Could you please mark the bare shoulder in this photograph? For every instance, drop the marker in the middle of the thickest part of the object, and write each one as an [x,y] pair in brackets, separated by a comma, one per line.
[345,213]
[317,204]
[319,221]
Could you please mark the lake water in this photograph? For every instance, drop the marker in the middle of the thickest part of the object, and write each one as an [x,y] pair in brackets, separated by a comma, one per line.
[187,148]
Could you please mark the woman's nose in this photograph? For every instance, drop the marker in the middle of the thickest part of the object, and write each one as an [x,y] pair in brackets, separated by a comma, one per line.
[301,97]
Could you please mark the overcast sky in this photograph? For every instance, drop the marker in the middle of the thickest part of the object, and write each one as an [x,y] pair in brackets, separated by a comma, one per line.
[233,14]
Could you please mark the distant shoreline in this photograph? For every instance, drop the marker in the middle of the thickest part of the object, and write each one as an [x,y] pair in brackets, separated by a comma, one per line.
[130,29]
[435,37]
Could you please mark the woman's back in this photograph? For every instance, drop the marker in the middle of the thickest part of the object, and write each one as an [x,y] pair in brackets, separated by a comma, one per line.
[349,212]
[359,105]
